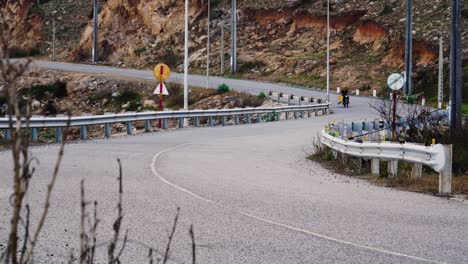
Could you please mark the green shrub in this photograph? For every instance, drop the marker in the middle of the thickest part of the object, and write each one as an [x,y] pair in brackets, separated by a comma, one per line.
[223,88]
[57,89]
[386,10]
[21,53]
[129,96]
[270,117]
[410,100]
[459,140]
[262,95]
[465,109]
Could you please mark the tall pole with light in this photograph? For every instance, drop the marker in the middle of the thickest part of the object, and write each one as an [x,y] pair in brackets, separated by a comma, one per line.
[208,49]
[186,54]
[409,47]
[456,67]
[234,37]
[328,50]
[95,32]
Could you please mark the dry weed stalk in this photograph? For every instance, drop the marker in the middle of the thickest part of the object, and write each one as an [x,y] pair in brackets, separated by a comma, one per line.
[23,168]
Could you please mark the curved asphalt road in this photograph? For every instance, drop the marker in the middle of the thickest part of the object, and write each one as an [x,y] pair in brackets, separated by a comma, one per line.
[250,194]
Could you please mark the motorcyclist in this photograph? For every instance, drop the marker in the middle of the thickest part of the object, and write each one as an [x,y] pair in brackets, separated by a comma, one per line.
[345,95]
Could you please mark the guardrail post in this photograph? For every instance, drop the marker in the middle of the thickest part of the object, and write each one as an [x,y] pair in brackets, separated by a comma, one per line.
[129,128]
[286,115]
[83,133]
[224,118]
[315,112]
[295,114]
[375,167]
[308,113]
[34,135]
[196,121]
[249,119]
[393,168]
[445,175]
[58,135]
[301,113]
[147,125]
[324,111]
[107,130]
[289,99]
[210,121]
[181,122]
[299,99]
[164,123]
[259,118]
[236,120]
[278,97]
[416,172]
[7,135]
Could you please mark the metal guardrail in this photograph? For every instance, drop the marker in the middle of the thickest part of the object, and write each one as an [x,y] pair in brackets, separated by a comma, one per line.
[61,122]
[438,157]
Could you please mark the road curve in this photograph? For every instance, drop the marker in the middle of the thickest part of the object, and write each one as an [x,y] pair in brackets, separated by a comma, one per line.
[250,195]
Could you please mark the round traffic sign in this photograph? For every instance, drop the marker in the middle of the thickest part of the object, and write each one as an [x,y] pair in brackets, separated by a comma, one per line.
[396,81]
[161,72]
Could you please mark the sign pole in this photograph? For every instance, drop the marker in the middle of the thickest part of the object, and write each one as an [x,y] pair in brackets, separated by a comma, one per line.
[161,71]
[394,115]
[441,73]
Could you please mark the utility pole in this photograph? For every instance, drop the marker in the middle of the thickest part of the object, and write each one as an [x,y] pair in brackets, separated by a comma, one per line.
[53,35]
[208,49]
[441,74]
[456,67]
[222,46]
[95,32]
[186,59]
[409,46]
[233,37]
[328,50]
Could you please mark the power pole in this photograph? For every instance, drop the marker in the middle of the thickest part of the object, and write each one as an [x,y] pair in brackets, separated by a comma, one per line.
[208,49]
[328,50]
[186,54]
[441,73]
[222,46]
[409,46]
[53,35]
[456,67]
[233,37]
[95,32]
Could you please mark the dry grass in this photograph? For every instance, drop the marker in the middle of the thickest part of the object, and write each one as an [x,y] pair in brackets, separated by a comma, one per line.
[361,169]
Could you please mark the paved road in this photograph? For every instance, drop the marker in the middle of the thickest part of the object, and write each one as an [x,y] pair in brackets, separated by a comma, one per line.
[251,196]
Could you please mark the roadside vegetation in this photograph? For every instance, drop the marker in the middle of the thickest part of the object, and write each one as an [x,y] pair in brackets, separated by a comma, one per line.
[427,126]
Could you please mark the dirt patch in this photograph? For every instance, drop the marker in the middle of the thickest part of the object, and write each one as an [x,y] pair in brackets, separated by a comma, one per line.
[369,32]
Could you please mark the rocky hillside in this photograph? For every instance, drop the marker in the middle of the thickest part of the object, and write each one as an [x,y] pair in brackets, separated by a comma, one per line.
[279,40]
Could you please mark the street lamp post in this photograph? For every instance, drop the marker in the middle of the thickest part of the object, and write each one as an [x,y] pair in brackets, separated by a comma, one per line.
[186,54]
[456,67]
[328,50]
[208,49]
[409,46]
[95,32]
[233,37]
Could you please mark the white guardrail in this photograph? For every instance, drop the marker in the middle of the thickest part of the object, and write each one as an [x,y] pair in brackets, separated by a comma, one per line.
[257,113]
[438,157]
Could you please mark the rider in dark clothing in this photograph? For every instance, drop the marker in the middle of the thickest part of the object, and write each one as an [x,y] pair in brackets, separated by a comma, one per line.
[344,93]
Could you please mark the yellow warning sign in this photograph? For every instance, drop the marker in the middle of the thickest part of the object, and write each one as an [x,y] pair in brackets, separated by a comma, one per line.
[161,72]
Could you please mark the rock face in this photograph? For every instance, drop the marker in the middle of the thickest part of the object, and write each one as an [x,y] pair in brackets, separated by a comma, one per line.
[278,40]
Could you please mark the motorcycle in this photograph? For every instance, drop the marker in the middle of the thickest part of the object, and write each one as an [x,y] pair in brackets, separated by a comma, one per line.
[346,101]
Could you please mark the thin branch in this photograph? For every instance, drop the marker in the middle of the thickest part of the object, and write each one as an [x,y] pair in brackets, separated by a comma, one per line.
[194,246]
[50,187]
[171,236]
[26,233]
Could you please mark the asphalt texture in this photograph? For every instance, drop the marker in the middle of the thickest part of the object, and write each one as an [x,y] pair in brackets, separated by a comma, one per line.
[249,193]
